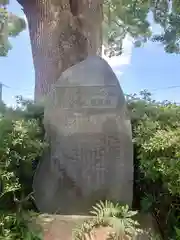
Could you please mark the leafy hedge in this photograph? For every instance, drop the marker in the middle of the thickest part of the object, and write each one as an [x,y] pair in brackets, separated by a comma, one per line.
[156,134]
[21,143]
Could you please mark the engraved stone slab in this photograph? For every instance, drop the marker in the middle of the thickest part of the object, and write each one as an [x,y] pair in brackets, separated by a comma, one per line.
[89,132]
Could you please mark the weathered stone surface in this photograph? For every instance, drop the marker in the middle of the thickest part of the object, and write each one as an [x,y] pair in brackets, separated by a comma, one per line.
[91,156]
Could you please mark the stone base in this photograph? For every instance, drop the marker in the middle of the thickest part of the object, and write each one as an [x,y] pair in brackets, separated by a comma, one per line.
[58,227]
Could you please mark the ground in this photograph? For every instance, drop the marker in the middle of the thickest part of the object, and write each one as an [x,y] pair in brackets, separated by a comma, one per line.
[57,227]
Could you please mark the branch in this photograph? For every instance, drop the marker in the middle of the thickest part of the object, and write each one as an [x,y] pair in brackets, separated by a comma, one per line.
[23,200]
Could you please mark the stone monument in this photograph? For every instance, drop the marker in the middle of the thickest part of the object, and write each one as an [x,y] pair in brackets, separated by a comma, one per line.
[89,131]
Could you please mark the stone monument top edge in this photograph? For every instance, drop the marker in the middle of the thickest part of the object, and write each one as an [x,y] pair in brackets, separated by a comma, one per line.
[94,68]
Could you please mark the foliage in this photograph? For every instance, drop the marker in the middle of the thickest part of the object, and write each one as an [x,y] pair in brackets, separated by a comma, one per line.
[156,136]
[118,217]
[10,26]
[133,17]
[22,143]
[156,133]
[177,233]
[120,18]
[14,226]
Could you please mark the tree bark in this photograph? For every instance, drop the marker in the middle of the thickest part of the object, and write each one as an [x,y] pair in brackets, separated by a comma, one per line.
[62,33]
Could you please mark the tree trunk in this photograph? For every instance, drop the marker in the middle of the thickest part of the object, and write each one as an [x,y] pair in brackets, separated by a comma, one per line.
[62,33]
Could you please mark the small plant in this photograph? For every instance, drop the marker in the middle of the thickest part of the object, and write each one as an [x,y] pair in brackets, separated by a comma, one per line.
[107,214]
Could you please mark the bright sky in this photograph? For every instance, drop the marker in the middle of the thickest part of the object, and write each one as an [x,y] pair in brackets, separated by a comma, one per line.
[137,69]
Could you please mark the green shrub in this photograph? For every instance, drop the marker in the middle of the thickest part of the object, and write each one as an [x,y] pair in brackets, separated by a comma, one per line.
[156,133]
[14,226]
[21,143]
